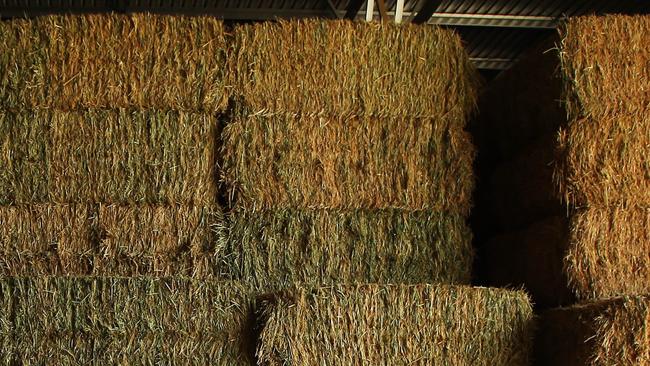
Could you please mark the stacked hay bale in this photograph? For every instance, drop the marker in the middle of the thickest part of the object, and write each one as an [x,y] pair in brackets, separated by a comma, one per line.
[108,143]
[577,212]
[347,163]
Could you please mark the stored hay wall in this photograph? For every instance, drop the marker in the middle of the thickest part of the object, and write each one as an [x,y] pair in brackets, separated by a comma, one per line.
[351,68]
[609,332]
[374,324]
[113,61]
[124,321]
[122,156]
[273,249]
[72,240]
[24,157]
[303,161]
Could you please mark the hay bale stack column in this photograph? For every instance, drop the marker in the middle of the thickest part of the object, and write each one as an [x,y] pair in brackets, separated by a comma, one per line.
[347,144]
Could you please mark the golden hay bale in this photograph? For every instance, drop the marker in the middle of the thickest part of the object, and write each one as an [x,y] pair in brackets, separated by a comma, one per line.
[532,258]
[113,61]
[274,249]
[157,241]
[23,158]
[352,68]
[605,254]
[46,240]
[124,156]
[609,252]
[125,321]
[304,161]
[603,129]
[397,325]
[604,333]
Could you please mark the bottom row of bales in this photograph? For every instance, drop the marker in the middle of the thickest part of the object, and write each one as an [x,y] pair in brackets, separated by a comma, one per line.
[94,320]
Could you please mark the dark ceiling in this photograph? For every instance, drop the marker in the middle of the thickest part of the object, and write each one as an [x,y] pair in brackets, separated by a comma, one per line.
[495,32]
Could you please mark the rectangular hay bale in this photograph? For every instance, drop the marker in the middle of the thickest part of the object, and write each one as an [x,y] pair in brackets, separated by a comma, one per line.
[352,68]
[75,62]
[126,156]
[608,332]
[304,161]
[126,321]
[273,249]
[397,325]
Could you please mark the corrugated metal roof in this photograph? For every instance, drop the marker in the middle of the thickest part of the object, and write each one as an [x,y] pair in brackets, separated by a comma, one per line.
[495,31]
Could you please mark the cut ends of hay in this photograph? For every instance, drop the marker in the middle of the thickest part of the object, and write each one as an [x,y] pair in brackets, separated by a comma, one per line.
[397,324]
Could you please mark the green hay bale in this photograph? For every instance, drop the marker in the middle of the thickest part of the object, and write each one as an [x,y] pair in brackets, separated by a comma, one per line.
[303,161]
[352,68]
[532,258]
[389,324]
[158,241]
[113,61]
[122,156]
[608,332]
[273,249]
[46,240]
[604,254]
[23,158]
[126,321]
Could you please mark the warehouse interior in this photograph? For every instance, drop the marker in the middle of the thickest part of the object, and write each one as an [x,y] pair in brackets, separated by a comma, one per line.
[333,182]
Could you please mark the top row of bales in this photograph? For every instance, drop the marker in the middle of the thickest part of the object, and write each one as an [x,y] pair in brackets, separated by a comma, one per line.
[411,82]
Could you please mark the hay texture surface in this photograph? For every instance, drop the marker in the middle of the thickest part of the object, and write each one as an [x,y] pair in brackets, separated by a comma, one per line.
[123,156]
[273,249]
[123,321]
[352,68]
[609,332]
[113,61]
[305,161]
[109,240]
[397,325]
[24,157]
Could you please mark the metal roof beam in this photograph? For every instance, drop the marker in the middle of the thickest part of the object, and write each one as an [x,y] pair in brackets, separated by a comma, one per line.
[487,63]
[490,20]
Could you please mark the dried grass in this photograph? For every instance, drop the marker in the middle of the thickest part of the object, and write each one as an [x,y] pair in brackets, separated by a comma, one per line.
[72,240]
[609,332]
[274,249]
[122,156]
[24,158]
[386,324]
[351,68]
[124,321]
[113,61]
[303,161]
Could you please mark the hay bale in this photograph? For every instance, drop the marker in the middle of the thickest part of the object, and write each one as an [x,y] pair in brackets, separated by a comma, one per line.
[127,156]
[126,321]
[532,258]
[391,324]
[608,332]
[157,241]
[113,61]
[23,158]
[274,249]
[304,161]
[605,254]
[608,255]
[46,240]
[352,68]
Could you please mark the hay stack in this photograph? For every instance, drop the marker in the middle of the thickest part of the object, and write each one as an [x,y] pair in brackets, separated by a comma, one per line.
[593,169]
[374,324]
[273,249]
[122,156]
[123,321]
[75,240]
[609,332]
[366,116]
[113,61]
